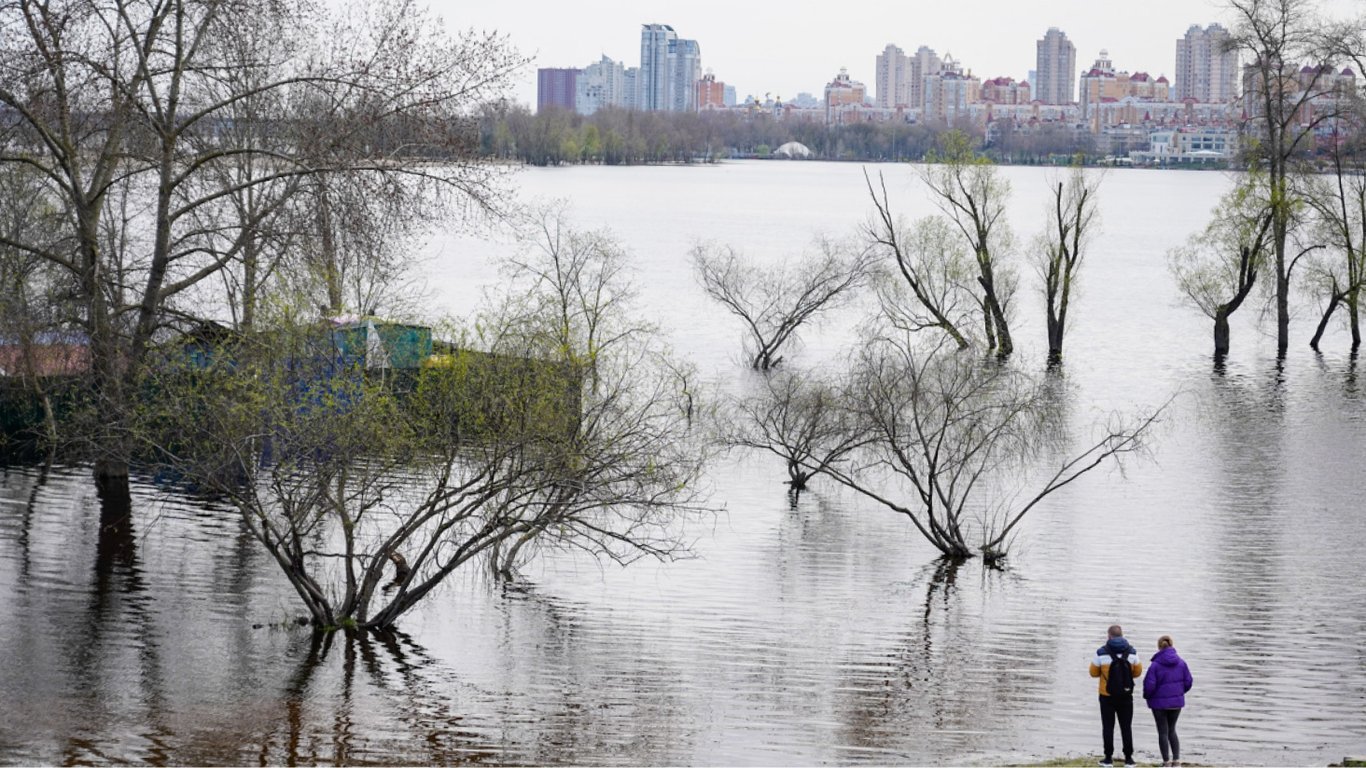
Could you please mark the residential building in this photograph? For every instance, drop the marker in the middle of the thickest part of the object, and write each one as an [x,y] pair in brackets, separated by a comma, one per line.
[656,41]
[728,95]
[685,65]
[924,62]
[1206,69]
[1056,68]
[893,78]
[670,67]
[600,84]
[1102,84]
[844,99]
[948,93]
[1004,90]
[630,88]
[1316,93]
[556,88]
[711,93]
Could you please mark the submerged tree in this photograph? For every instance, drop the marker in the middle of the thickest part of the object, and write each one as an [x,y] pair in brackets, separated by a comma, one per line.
[555,424]
[798,416]
[1289,82]
[1338,200]
[37,345]
[775,302]
[139,98]
[948,440]
[1061,247]
[930,263]
[971,193]
[1218,267]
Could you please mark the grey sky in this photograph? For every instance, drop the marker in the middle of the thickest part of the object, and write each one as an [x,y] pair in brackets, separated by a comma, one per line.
[786,48]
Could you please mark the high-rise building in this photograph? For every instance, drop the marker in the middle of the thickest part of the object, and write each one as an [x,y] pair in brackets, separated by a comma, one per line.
[728,97]
[630,88]
[685,65]
[948,92]
[655,42]
[600,85]
[1206,68]
[1056,68]
[669,70]
[556,88]
[923,63]
[893,78]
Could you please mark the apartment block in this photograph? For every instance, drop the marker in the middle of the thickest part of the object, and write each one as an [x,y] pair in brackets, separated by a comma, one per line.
[892,79]
[601,84]
[670,67]
[556,88]
[948,93]
[844,99]
[1206,68]
[1055,68]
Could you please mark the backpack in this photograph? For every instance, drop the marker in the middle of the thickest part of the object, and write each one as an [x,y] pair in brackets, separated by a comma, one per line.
[1121,678]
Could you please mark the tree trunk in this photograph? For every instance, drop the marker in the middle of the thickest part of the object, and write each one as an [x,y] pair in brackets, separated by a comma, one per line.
[1054,337]
[989,326]
[1282,310]
[1354,316]
[331,269]
[111,486]
[250,266]
[1279,233]
[1221,335]
[1323,321]
[1005,345]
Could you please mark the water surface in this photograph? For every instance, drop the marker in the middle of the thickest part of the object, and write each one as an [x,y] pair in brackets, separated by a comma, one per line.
[824,632]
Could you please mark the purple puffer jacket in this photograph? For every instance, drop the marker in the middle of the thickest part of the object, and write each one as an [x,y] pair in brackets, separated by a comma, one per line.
[1167,680]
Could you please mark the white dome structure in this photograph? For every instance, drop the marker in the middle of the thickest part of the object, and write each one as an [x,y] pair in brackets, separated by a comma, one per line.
[794,150]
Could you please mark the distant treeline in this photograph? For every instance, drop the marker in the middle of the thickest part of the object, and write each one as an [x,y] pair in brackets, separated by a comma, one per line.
[624,137]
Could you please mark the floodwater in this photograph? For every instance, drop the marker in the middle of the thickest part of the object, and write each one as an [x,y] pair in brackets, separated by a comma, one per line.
[824,632]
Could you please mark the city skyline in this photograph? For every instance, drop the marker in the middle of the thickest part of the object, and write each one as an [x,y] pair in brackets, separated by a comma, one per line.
[783,53]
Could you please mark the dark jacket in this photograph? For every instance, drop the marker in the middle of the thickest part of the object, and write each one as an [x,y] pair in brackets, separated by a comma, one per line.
[1168,680]
[1117,647]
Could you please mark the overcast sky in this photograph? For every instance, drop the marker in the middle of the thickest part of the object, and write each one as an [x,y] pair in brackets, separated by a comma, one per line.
[783,49]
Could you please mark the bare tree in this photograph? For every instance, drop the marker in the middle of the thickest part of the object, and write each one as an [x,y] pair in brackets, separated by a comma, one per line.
[1338,200]
[1073,219]
[1218,267]
[555,424]
[775,302]
[949,439]
[930,263]
[131,94]
[798,416]
[970,192]
[37,347]
[1288,86]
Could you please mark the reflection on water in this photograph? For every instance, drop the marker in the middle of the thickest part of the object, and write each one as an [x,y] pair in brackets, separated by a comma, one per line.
[809,631]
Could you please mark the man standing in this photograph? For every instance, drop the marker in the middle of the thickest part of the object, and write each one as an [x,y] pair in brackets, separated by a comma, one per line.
[1117,666]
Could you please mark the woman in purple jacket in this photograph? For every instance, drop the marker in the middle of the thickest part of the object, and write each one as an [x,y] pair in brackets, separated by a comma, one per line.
[1165,688]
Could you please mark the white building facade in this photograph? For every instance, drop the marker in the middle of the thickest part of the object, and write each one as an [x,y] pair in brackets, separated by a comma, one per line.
[670,67]
[600,85]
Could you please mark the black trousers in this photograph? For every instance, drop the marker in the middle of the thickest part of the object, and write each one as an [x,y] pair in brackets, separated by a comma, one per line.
[1166,733]
[1121,707]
